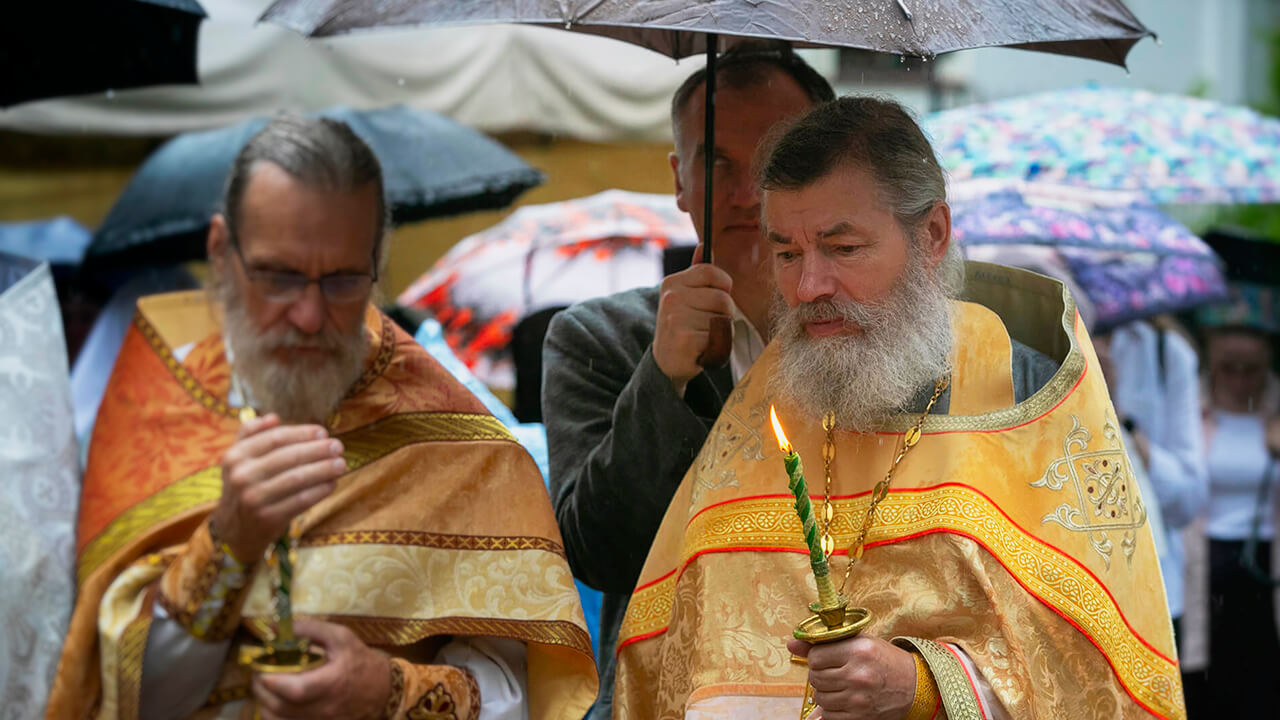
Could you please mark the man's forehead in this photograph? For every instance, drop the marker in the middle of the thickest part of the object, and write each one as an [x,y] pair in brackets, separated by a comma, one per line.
[279,212]
[271,187]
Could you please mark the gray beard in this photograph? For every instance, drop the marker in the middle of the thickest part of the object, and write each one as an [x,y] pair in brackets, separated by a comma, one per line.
[301,392]
[904,347]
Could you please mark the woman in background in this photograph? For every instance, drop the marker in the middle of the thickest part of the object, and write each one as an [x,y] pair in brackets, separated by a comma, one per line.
[1242,442]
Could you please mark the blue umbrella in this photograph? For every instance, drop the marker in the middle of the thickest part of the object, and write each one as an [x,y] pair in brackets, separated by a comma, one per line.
[431,167]
[60,241]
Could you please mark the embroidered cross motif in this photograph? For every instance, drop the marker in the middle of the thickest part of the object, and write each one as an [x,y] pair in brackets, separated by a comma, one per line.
[1106,500]
[732,434]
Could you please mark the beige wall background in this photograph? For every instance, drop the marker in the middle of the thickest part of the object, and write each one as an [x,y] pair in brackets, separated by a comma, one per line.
[41,177]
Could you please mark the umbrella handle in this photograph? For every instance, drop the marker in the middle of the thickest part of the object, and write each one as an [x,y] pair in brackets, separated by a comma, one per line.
[719,343]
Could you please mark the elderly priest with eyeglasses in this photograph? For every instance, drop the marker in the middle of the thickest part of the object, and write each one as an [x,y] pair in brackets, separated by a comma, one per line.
[281,409]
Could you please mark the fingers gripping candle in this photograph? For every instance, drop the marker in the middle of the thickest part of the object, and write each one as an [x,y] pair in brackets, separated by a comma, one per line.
[827,597]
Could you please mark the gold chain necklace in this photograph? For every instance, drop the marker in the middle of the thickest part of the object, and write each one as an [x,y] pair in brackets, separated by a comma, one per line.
[909,440]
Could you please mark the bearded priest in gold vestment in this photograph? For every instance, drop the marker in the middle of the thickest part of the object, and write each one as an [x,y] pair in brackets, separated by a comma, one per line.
[428,567]
[1008,568]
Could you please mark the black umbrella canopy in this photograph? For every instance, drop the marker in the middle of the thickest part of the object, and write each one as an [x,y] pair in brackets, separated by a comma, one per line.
[432,167]
[52,49]
[1097,29]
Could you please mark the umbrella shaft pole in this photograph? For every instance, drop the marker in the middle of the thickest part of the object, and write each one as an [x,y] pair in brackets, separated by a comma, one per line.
[709,147]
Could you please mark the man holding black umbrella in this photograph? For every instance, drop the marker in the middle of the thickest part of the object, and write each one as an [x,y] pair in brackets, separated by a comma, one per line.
[626,403]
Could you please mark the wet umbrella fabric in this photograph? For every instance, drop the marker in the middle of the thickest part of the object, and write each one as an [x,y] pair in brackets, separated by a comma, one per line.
[53,49]
[544,256]
[1098,29]
[60,241]
[1174,149]
[1130,260]
[431,167]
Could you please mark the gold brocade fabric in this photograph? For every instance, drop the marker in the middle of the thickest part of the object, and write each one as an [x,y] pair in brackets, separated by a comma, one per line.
[412,547]
[1012,531]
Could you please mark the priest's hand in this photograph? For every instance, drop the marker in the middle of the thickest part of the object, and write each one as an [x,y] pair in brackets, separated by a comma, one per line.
[270,474]
[354,682]
[686,303]
[861,678]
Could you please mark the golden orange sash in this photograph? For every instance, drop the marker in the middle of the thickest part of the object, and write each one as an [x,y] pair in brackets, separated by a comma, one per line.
[1012,531]
[384,554]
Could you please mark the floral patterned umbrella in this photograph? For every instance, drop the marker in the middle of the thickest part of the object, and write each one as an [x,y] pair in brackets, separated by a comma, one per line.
[1128,258]
[1174,149]
[544,256]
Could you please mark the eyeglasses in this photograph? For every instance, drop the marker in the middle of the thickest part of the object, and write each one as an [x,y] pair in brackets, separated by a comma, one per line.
[287,286]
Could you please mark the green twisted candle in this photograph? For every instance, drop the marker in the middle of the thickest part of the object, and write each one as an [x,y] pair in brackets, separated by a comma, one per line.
[827,597]
[284,593]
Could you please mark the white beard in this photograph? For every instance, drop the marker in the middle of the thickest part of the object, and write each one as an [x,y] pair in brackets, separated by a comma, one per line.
[904,347]
[300,392]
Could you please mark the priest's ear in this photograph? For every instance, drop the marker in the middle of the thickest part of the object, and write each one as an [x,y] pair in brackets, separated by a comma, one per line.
[936,233]
[218,244]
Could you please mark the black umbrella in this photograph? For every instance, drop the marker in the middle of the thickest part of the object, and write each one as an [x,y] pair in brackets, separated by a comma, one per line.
[1097,29]
[431,167]
[50,48]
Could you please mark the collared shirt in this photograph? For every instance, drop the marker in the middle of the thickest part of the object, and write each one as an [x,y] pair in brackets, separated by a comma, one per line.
[747,345]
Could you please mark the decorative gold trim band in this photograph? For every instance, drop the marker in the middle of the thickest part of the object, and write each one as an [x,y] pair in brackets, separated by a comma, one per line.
[211,402]
[431,540]
[132,647]
[649,610]
[362,445]
[406,631]
[190,492]
[953,682]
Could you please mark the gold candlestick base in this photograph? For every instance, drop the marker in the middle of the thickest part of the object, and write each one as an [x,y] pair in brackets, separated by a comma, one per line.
[828,625]
[281,657]
[832,624]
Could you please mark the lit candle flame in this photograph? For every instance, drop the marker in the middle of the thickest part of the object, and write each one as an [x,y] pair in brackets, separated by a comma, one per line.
[783,444]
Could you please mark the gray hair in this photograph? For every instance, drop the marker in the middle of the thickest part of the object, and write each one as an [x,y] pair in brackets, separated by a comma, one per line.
[318,152]
[879,135]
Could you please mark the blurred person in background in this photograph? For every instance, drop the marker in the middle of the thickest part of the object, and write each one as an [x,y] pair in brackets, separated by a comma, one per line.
[1152,371]
[282,402]
[1231,570]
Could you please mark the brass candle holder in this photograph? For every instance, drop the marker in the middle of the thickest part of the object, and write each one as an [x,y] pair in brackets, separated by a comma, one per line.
[284,652]
[827,625]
